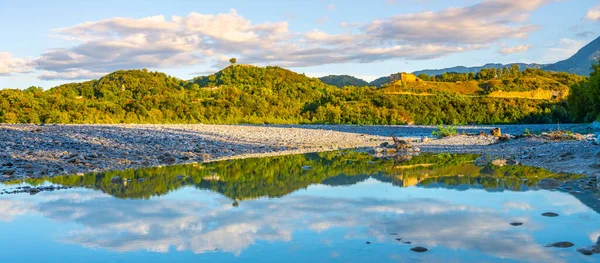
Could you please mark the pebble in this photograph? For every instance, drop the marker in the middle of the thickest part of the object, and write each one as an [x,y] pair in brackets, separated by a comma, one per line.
[419,249]
[563,244]
[550,214]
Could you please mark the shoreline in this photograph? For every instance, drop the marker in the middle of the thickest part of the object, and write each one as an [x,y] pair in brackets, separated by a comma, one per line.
[50,150]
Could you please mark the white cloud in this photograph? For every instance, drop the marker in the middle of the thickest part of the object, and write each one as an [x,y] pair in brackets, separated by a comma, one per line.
[71,75]
[515,49]
[10,65]
[158,42]
[593,14]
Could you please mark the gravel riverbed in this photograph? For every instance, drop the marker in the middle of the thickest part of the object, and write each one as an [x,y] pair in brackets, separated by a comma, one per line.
[34,151]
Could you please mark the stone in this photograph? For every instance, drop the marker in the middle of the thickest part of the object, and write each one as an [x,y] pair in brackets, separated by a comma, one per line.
[550,214]
[496,132]
[499,162]
[549,183]
[34,191]
[588,251]
[425,139]
[8,171]
[306,168]
[483,160]
[419,249]
[384,145]
[597,141]
[562,244]
[516,224]
[116,180]
[512,162]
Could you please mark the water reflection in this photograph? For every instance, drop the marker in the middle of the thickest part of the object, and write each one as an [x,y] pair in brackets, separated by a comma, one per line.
[313,219]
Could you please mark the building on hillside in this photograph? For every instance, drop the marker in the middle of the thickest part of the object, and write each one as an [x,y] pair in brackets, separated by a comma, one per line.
[403,77]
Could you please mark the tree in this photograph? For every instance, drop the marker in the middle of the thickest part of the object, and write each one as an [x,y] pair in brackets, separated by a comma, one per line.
[233,61]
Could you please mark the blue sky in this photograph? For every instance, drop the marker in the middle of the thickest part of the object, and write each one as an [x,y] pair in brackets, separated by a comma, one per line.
[47,43]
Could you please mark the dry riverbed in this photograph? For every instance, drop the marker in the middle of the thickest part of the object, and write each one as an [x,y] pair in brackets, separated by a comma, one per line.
[35,151]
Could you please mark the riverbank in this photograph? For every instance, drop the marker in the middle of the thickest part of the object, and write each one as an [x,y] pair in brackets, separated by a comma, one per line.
[35,151]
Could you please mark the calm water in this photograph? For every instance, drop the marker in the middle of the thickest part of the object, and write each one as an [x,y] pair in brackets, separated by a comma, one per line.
[305,208]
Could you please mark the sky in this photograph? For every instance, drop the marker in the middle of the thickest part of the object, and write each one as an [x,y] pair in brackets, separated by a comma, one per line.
[48,43]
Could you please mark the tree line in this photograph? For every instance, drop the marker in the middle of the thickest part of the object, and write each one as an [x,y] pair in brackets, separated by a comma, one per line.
[256,95]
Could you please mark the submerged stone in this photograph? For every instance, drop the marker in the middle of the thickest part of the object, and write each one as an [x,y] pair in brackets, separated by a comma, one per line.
[550,214]
[563,244]
[483,160]
[419,249]
[549,183]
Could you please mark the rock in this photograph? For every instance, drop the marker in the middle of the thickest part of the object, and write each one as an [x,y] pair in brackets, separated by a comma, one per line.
[368,243]
[598,241]
[170,160]
[516,224]
[419,249]
[496,132]
[116,180]
[550,214]
[548,184]
[588,251]
[595,125]
[377,150]
[563,244]
[483,160]
[205,156]
[425,139]
[384,145]
[512,162]
[306,168]
[34,191]
[8,171]
[597,141]
[499,162]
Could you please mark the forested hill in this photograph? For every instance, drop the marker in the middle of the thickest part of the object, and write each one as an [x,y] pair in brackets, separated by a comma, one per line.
[341,81]
[248,94]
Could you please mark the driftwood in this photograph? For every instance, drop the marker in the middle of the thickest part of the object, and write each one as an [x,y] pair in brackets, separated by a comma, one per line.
[400,144]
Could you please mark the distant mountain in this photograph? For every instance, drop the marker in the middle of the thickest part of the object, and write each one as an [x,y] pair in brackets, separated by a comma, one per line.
[461,69]
[343,80]
[380,81]
[581,62]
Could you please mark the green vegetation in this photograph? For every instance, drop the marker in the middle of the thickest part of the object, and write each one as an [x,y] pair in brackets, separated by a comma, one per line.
[278,176]
[444,131]
[584,99]
[257,95]
[490,81]
[341,81]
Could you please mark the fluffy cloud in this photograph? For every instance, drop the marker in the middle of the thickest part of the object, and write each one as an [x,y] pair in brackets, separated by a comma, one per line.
[593,14]
[155,42]
[10,65]
[203,226]
[514,49]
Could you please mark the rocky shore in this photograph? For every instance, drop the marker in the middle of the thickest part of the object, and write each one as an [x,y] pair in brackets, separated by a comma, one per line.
[36,151]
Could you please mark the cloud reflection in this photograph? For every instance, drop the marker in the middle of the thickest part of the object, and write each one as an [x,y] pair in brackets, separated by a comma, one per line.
[162,224]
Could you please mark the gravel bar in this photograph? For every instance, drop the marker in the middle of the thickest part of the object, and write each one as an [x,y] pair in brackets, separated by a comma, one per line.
[35,151]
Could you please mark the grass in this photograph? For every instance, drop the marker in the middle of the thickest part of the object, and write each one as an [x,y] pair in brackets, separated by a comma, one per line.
[444,131]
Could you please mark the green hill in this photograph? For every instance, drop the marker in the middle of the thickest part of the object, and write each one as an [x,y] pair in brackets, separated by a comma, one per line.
[341,81]
[380,82]
[256,95]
